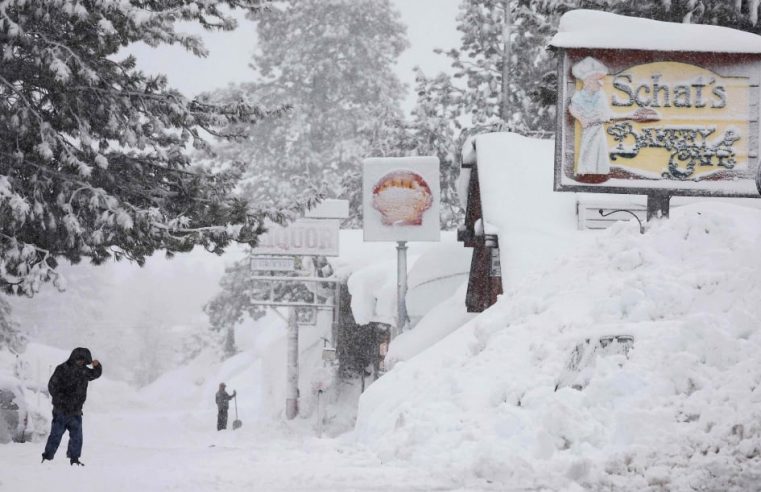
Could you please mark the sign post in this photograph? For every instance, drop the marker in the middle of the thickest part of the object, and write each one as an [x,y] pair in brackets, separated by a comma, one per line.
[401,287]
[316,235]
[400,201]
[292,374]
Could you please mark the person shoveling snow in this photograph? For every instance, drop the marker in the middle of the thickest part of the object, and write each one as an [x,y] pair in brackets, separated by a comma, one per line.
[223,403]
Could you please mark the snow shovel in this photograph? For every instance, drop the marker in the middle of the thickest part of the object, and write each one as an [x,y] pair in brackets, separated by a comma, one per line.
[236,423]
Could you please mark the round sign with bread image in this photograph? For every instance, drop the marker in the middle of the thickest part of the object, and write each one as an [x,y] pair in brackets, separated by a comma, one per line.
[402,197]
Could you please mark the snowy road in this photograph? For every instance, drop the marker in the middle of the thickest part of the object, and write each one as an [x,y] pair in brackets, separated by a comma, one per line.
[149,451]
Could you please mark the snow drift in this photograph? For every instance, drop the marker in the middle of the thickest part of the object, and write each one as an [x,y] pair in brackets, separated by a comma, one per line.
[684,410]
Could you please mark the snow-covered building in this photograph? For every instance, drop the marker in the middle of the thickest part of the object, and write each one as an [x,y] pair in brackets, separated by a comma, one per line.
[504,180]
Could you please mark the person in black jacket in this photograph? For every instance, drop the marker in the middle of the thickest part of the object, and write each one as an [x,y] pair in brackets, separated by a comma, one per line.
[223,403]
[68,389]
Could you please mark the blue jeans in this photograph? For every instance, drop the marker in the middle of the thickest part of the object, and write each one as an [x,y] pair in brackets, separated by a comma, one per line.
[62,423]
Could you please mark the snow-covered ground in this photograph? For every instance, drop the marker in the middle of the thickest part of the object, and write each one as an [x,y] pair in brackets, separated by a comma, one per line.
[163,437]
[146,449]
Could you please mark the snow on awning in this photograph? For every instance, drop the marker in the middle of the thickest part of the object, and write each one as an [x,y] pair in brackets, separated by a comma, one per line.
[603,30]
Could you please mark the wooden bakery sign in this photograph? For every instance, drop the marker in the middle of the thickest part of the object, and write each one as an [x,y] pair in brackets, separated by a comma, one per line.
[653,122]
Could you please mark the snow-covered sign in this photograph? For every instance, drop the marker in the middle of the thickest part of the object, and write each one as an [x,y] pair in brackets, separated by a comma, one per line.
[400,198]
[272,263]
[310,237]
[647,107]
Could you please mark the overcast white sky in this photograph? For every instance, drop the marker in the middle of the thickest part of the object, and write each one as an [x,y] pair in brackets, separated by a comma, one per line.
[430,24]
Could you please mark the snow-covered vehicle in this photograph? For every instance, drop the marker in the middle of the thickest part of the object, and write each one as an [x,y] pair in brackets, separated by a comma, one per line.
[14,416]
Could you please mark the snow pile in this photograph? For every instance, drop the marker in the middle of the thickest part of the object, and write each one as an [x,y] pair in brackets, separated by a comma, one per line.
[449,315]
[594,29]
[371,271]
[681,411]
[436,275]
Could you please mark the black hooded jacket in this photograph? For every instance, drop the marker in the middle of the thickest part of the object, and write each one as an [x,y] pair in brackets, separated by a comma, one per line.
[68,384]
[223,399]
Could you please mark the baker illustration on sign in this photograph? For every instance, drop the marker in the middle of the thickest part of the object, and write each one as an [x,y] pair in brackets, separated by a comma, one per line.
[590,107]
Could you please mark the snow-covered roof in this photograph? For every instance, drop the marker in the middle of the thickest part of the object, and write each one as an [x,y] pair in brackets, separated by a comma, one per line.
[594,29]
[533,223]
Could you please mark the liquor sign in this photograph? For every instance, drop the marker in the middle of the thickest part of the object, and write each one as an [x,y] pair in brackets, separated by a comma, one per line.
[656,122]
[272,263]
[400,199]
[309,237]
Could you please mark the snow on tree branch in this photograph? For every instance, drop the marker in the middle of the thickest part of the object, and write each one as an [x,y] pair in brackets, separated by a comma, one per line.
[94,159]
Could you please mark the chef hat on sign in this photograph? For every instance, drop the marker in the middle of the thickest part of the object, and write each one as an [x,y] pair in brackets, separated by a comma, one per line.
[589,67]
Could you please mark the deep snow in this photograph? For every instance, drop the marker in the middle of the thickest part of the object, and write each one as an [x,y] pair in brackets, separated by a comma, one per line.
[478,409]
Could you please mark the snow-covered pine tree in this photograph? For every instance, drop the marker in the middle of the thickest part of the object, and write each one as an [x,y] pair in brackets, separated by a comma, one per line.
[332,61]
[501,71]
[500,60]
[499,77]
[232,303]
[738,14]
[435,130]
[502,78]
[93,160]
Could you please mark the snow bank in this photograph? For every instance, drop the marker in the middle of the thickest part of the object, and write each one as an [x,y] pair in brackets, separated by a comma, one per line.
[438,322]
[595,29]
[682,412]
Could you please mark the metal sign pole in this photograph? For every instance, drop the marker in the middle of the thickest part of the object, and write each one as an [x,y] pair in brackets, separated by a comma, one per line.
[401,286]
[292,383]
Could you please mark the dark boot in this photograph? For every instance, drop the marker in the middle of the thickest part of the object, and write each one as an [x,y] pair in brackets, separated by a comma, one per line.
[75,461]
[45,457]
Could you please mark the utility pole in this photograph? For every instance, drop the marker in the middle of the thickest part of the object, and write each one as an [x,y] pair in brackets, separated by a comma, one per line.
[504,110]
